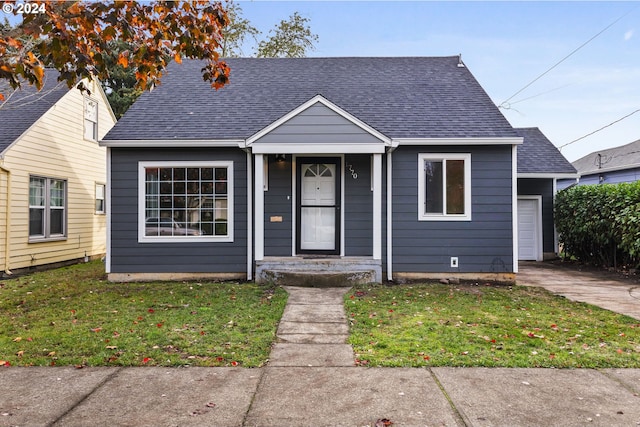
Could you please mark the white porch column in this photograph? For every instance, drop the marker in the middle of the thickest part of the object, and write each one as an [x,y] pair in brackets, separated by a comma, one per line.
[377,206]
[259,207]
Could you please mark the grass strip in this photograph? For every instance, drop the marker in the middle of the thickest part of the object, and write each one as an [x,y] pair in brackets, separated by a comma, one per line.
[490,326]
[74,316]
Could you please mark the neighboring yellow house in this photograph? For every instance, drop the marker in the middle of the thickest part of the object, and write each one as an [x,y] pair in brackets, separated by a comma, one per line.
[52,174]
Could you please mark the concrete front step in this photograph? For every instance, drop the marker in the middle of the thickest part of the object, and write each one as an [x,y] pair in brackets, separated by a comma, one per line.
[321,272]
[318,279]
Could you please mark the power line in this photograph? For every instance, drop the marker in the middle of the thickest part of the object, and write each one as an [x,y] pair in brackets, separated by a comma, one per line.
[598,130]
[505,104]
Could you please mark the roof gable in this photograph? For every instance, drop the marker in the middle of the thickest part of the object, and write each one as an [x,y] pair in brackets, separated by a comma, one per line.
[23,107]
[318,121]
[426,97]
[537,155]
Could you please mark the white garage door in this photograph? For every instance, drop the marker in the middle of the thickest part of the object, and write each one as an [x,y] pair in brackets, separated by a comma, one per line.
[529,226]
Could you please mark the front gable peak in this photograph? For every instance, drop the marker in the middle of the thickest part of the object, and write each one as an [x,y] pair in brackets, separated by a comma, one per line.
[315,124]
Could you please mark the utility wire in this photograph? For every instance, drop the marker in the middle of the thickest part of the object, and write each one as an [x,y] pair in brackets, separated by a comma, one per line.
[598,130]
[505,104]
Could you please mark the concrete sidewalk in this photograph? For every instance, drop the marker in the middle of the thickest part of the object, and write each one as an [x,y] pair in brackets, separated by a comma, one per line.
[311,380]
[284,396]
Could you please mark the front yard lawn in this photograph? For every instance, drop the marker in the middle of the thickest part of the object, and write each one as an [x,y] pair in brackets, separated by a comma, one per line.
[465,325]
[73,316]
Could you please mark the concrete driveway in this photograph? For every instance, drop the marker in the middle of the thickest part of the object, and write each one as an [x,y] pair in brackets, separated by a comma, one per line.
[610,290]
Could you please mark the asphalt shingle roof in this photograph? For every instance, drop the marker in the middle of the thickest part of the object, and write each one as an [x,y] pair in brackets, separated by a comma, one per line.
[412,97]
[538,155]
[625,156]
[23,107]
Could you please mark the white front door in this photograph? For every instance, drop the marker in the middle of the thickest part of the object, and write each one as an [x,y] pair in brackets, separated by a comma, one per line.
[318,206]
[529,230]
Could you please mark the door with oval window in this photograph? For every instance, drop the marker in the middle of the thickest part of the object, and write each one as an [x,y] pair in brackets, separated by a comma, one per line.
[318,213]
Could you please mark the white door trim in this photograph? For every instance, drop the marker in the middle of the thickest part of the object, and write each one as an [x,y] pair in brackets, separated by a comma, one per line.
[294,197]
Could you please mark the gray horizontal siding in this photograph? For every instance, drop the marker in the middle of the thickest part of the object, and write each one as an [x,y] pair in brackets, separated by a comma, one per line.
[278,202]
[129,256]
[484,244]
[358,205]
[317,125]
[544,188]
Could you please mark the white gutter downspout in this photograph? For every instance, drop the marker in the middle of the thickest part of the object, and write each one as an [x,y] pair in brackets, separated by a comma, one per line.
[556,243]
[514,204]
[389,216]
[249,216]
[107,260]
[7,240]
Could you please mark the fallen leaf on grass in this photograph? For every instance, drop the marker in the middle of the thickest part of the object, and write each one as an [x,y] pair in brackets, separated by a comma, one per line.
[146,360]
[17,339]
[5,363]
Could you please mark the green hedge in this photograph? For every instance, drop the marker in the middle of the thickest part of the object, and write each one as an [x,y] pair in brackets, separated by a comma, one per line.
[600,224]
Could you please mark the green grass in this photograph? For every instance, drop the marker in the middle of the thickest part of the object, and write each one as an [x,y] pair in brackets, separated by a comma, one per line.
[73,316]
[493,326]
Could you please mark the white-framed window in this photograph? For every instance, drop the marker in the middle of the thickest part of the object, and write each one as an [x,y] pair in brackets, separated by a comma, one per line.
[181,201]
[444,187]
[100,198]
[90,119]
[47,208]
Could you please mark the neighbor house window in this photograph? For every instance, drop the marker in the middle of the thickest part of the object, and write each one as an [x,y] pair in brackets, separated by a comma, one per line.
[187,200]
[100,198]
[90,119]
[47,208]
[444,187]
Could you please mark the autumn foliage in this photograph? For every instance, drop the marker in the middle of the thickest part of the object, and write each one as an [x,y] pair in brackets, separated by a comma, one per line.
[73,37]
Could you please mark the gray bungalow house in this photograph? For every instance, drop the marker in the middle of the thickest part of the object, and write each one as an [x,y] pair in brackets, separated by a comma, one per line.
[382,168]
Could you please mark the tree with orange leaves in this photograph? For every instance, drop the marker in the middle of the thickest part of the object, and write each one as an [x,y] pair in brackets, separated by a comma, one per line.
[73,37]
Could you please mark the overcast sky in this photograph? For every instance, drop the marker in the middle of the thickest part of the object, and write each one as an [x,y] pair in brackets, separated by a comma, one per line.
[506,45]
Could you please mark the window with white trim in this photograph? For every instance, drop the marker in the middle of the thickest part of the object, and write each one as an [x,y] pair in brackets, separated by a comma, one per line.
[185,201]
[100,198]
[47,208]
[444,187]
[90,119]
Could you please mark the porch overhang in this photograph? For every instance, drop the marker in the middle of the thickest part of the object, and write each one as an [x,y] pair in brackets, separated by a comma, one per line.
[326,148]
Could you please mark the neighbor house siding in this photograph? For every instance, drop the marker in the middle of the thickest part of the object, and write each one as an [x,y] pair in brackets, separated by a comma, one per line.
[54,147]
[318,125]
[278,201]
[611,177]
[358,206]
[484,244]
[130,256]
[541,187]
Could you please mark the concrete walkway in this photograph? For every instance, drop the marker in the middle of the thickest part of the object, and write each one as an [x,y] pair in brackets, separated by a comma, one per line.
[605,289]
[311,381]
[313,330]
